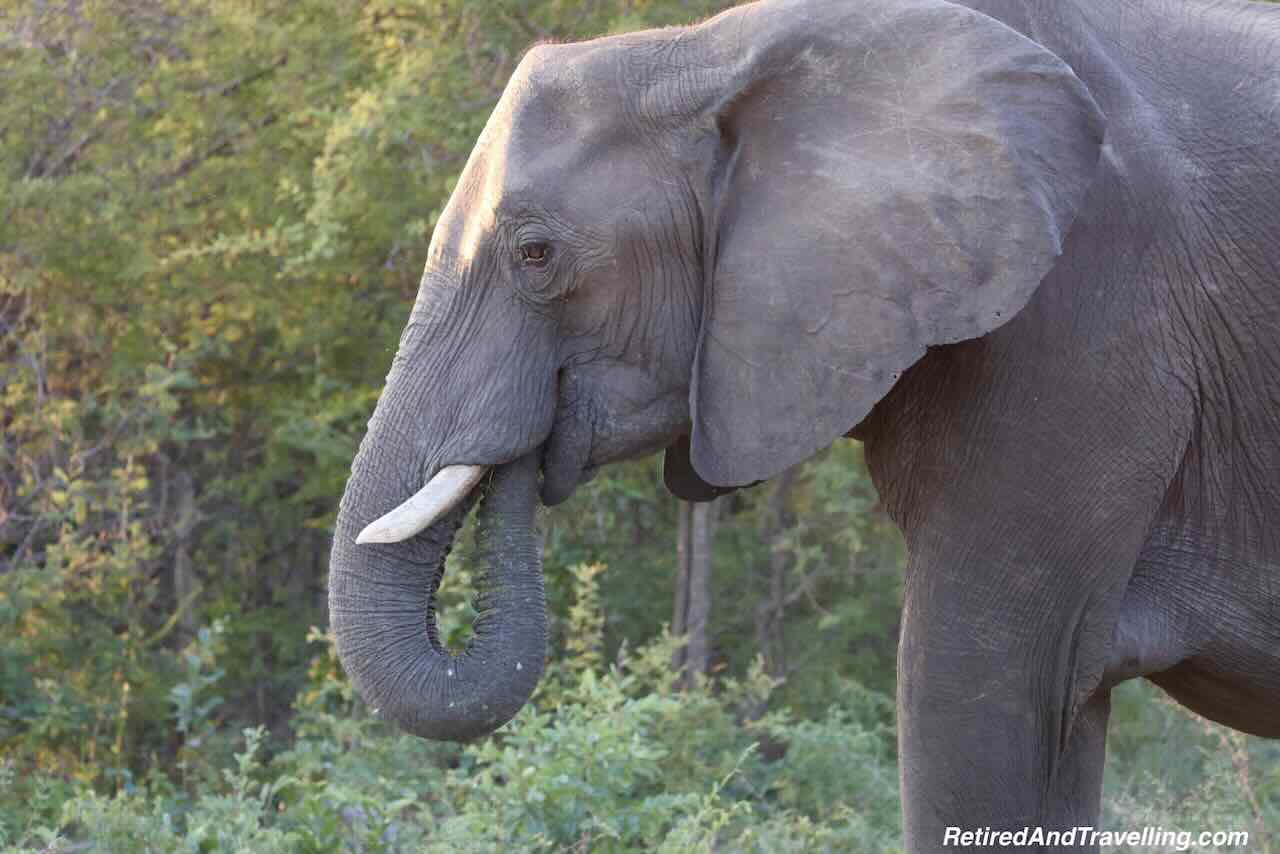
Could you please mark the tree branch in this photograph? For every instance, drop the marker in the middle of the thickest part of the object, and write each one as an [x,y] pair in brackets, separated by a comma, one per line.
[223,146]
[252,77]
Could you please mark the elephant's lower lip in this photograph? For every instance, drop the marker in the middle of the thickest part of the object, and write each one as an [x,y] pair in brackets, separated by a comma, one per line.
[565,456]
[559,480]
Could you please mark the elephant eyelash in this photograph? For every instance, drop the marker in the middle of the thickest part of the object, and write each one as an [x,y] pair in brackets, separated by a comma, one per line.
[534,254]
[545,277]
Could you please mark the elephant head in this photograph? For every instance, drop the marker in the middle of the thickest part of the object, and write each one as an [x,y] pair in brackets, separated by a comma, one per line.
[727,239]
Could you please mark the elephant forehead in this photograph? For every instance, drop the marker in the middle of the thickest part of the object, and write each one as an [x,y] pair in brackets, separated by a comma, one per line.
[553,91]
[494,172]
[519,165]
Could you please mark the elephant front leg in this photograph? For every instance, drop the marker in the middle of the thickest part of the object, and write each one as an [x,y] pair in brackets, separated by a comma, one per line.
[1002,705]
[995,740]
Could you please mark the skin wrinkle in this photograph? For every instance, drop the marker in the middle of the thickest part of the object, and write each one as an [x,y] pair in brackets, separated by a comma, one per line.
[1229,349]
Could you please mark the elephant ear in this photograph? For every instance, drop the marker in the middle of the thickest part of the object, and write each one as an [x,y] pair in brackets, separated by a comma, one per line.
[891,176]
[683,481]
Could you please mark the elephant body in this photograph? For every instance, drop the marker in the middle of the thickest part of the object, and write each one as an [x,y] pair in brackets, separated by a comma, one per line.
[1027,252]
[1129,465]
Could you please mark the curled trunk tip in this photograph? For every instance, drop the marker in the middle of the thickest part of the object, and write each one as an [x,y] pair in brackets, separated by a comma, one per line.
[382,601]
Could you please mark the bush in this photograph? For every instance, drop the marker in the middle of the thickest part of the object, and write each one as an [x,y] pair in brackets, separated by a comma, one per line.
[606,758]
[609,756]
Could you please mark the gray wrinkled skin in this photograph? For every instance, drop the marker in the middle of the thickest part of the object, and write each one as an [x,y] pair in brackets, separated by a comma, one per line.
[384,618]
[1028,251]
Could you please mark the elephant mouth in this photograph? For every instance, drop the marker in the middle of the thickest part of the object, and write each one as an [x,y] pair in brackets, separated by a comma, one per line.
[566,457]
[583,436]
[564,466]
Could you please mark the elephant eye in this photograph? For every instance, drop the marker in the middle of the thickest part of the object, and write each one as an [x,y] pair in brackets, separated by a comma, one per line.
[535,254]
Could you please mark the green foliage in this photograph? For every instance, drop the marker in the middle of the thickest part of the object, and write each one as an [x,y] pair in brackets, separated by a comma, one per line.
[618,760]
[80,630]
[609,757]
[1177,770]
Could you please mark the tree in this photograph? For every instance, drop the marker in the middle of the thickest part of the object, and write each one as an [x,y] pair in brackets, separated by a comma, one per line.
[691,612]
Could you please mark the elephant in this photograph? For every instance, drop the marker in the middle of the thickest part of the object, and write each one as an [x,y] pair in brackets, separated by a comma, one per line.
[1026,251]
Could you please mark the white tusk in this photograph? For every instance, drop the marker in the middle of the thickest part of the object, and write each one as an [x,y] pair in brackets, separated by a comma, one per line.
[449,486]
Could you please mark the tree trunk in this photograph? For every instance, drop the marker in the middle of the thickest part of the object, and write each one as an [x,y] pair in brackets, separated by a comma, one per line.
[185,582]
[680,605]
[692,605]
[771,610]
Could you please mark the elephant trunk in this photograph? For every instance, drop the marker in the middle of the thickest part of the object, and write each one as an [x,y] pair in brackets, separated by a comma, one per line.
[382,600]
